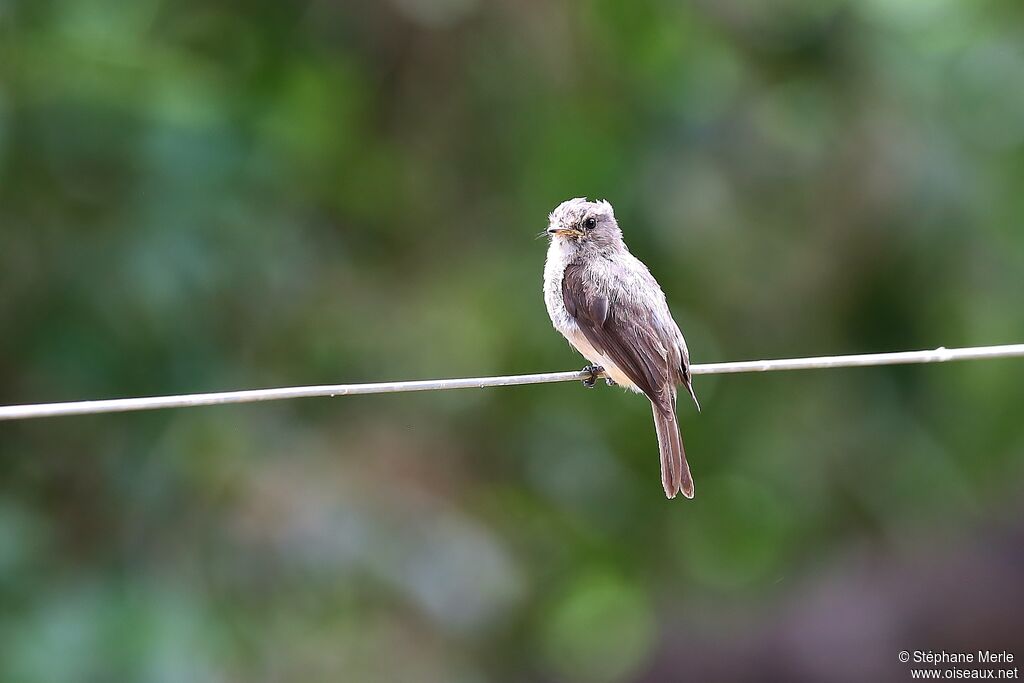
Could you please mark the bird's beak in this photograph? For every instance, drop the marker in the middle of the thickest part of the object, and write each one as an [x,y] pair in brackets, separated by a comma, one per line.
[556,230]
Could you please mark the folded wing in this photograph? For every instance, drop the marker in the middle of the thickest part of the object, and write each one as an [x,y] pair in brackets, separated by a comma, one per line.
[628,335]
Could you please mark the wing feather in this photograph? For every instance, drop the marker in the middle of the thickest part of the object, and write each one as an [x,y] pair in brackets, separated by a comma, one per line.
[623,333]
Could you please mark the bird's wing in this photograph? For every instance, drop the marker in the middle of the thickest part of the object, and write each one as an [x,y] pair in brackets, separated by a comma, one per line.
[625,333]
[684,366]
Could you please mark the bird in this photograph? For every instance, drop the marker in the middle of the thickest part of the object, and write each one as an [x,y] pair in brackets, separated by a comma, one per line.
[609,307]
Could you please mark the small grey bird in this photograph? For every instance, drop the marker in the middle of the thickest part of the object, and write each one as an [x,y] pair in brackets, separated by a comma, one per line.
[607,304]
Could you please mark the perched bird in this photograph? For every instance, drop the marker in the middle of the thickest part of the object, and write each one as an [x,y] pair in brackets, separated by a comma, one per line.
[607,304]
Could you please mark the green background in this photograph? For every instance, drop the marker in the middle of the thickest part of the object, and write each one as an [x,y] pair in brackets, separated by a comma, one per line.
[202,196]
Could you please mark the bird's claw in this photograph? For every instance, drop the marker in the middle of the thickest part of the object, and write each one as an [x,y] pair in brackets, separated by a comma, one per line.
[594,371]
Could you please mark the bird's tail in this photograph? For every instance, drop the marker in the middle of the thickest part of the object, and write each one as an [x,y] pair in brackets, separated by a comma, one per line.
[675,472]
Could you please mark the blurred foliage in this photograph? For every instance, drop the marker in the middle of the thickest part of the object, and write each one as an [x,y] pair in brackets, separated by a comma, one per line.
[211,195]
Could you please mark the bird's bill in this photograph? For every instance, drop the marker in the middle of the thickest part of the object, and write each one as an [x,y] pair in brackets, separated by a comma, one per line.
[564,231]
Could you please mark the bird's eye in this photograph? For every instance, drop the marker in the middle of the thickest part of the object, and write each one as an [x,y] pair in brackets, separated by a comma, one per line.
[590,223]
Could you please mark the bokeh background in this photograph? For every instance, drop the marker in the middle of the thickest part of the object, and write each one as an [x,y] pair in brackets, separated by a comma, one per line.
[200,196]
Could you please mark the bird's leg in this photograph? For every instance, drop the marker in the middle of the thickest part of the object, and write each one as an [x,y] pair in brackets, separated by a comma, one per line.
[593,371]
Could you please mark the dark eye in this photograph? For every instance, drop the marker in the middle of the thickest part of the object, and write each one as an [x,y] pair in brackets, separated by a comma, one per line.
[590,223]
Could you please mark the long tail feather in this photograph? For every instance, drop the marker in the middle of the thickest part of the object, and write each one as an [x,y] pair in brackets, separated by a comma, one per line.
[675,472]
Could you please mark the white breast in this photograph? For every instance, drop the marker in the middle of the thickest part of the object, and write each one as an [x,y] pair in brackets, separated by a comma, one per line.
[554,268]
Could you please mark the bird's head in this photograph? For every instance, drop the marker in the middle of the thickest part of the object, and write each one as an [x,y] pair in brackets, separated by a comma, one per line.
[581,222]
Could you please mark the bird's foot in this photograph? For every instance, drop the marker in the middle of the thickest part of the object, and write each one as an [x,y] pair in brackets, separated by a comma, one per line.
[610,382]
[594,371]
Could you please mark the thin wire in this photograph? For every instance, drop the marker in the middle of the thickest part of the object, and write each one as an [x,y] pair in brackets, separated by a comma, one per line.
[119,405]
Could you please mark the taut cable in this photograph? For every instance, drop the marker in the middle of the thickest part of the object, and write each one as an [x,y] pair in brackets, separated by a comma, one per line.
[120,405]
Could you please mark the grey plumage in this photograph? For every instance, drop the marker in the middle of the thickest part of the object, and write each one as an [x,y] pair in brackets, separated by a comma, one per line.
[611,309]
